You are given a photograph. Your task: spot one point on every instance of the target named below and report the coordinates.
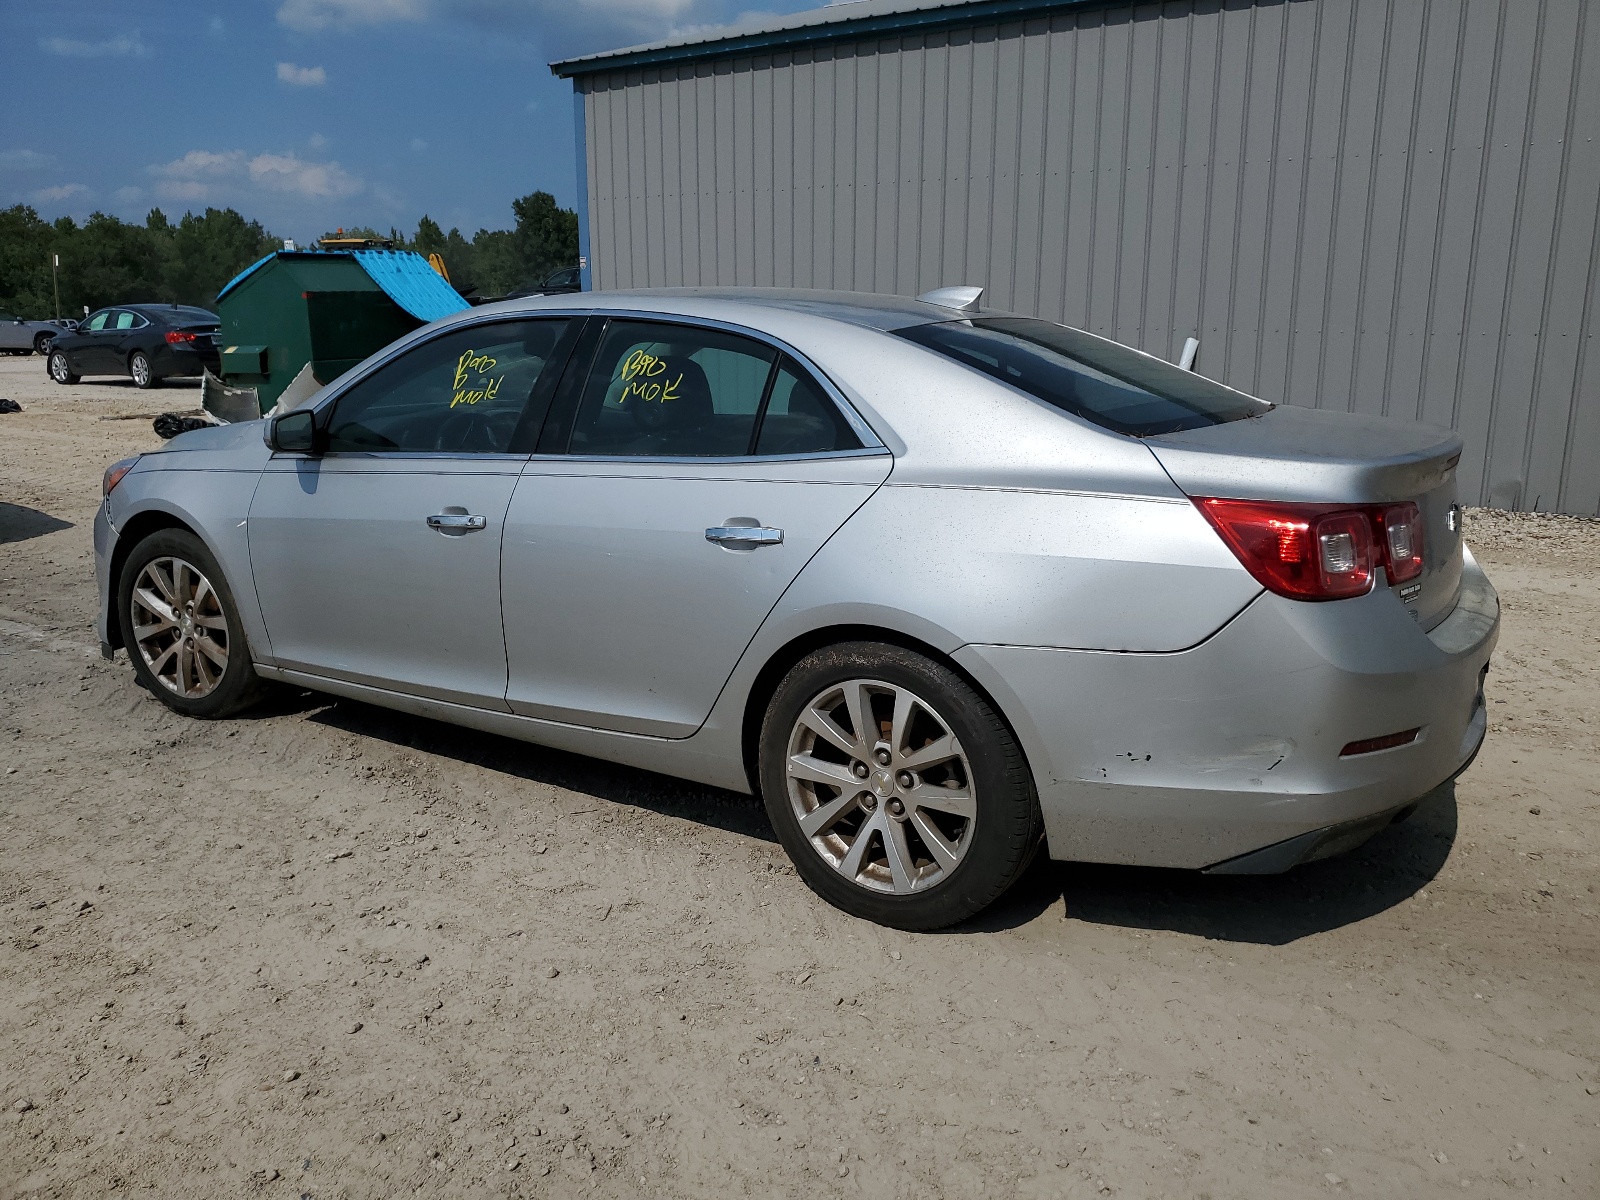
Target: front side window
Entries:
(1112, 385)
(97, 322)
(464, 392)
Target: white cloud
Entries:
(123, 46)
(215, 25)
(24, 160)
(418, 145)
(317, 141)
(288, 173)
(207, 174)
(302, 76)
(65, 191)
(129, 194)
(310, 16)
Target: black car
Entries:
(147, 342)
(563, 282)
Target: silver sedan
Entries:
(941, 585)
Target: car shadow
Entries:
(1270, 910)
(19, 524)
(730, 811)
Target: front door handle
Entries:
(451, 524)
(744, 537)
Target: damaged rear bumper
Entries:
(1227, 756)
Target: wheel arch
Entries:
(782, 660)
(138, 527)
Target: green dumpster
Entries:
(328, 308)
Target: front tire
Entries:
(898, 791)
(41, 343)
(182, 628)
(144, 376)
(61, 369)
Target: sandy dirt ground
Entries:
(329, 951)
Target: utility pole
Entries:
(55, 282)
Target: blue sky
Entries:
(307, 114)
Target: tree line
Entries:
(110, 261)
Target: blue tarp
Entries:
(411, 283)
(406, 277)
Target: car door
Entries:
(377, 561)
(123, 334)
(88, 352)
(682, 484)
(14, 333)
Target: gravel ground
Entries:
(330, 951)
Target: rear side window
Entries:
(671, 390)
(128, 320)
(1111, 385)
(801, 419)
(464, 392)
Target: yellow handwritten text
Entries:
(472, 363)
(641, 371)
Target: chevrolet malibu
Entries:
(942, 585)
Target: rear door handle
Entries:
(456, 523)
(744, 537)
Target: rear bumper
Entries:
(1200, 758)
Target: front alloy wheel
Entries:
(179, 628)
(60, 369)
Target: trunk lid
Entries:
(1308, 455)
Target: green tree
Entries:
(546, 236)
(205, 252)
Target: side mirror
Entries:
(293, 431)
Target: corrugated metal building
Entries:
(1387, 206)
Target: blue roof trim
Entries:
(411, 283)
(245, 274)
(726, 43)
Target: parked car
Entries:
(562, 283)
(19, 336)
(146, 342)
(940, 585)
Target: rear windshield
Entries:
(182, 314)
(1112, 385)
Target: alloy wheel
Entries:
(880, 786)
(179, 627)
(140, 369)
(59, 370)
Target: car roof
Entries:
(867, 309)
(154, 309)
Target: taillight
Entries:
(176, 336)
(114, 474)
(1402, 537)
(1319, 551)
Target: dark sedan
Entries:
(145, 342)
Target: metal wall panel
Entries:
(1384, 206)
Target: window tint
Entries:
(671, 390)
(1111, 385)
(98, 321)
(801, 419)
(128, 320)
(463, 392)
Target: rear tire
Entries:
(41, 343)
(60, 368)
(144, 376)
(182, 629)
(918, 819)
